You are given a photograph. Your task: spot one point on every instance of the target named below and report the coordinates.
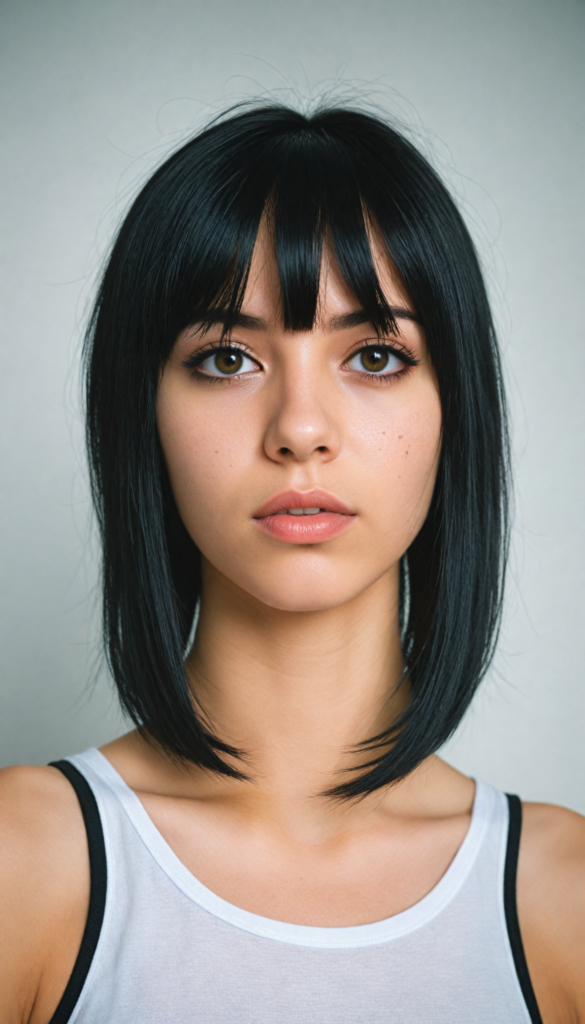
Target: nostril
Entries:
(321, 448)
(284, 451)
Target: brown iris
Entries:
(228, 362)
(374, 359)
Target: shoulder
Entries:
(39, 815)
(551, 906)
(552, 861)
(44, 888)
(22, 786)
(552, 857)
(553, 835)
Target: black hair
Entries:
(184, 248)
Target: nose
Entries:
(302, 425)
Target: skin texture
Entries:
(304, 420)
(44, 891)
(296, 658)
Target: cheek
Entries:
(400, 460)
(207, 462)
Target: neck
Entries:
(296, 691)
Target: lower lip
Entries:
(305, 529)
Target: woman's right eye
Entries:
(225, 362)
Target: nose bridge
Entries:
(303, 418)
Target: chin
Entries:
(304, 592)
(316, 603)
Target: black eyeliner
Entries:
(195, 360)
(403, 354)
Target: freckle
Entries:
(400, 436)
(217, 453)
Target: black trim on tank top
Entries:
(511, 909)
(97, 892)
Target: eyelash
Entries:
(403, 354)
(193, 362)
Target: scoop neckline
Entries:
(341, 937)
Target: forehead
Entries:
(263, 293)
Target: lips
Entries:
(304, 517)
(315, 499)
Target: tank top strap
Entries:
(98, 869)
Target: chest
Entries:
(365, 876)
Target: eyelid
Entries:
(401, 352)
(194, 360)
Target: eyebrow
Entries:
(359, 316)
(222, 318)
(344, 321)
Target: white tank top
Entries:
(161, 948)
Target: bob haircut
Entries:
(184, 249)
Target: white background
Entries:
(93, 95)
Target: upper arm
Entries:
(551, 909)
(44, 891)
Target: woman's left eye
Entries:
(226, 362)
(376, 359)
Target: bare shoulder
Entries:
(552, 859)
(551, 908)
(24, 790)
(44, 890)
(39, 816)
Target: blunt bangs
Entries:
(207, 229)
(336, 178)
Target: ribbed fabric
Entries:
(172, 952)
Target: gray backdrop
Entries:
(93, 95)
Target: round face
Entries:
(302, 463)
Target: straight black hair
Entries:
(185, 248)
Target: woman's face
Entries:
(326, 419)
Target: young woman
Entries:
(297, 442)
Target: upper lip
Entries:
(302, 499)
